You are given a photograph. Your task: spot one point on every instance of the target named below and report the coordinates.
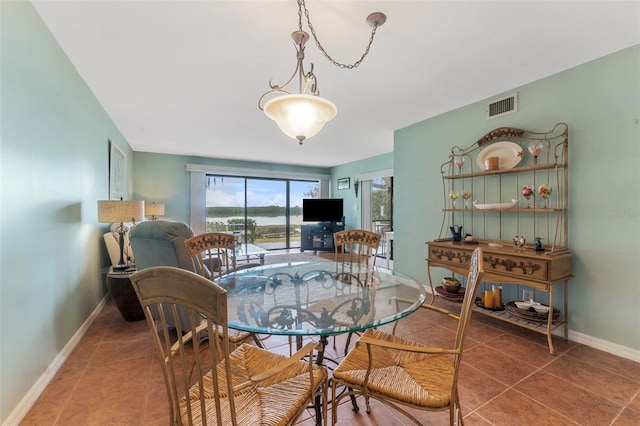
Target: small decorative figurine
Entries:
(519, 241)
(538, 246)
(456, 232)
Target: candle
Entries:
(488, 300)
(497, 297)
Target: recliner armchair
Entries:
(161, 243)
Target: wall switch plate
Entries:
(527, 294)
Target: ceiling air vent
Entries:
(503, 106)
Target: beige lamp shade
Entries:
(113, 211)
(153, 209)
(300, 116)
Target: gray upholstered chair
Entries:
(161, 243)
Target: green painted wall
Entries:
(352, 170)
(54, 167)
(164, 178)
(600, 101)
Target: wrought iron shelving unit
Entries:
(500, 213)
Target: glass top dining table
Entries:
(318, 298)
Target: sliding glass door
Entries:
(263, 212)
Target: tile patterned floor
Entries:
(507, 377)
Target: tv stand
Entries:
(319, 236)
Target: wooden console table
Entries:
(506, 265)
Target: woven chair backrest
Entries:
(187, 357)
(356, 246)
(212, 254)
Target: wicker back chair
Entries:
(399, 372)
(212, 255)
(356, 246)
(248, 386)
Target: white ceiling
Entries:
(184, 77)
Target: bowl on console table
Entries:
(451, 284)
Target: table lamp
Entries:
(153, 210)
(114, 211)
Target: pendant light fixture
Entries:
(302, 115)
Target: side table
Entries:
(123, 294)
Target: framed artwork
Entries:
(117, 172)
(344, 183)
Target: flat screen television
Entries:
(322, 209)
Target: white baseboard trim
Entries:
(39, 386)
(596, 343)
(604, 345)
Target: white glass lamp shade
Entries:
(118, 211)
(300, 116)
(154, 209)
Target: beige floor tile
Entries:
(474, 419)
(521, 348)
(569, 399)
(507, 377)
(613, 386)
(482, 332)
(635, 403)
(437, 337)
(607, 361)
(497, 364)
(628, 418)
(476, 388)
(513, 408)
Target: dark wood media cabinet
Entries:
(319, 236)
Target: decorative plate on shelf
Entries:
(456, 297)
(510, 154)
(530, 314)
(495, 205)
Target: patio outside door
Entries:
(377, 207)
(264, 212)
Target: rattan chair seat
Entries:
(423, 380)
(273, 401)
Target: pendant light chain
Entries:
(302, 115)
(301, 5)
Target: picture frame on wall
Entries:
(344, 183)
(117, 172)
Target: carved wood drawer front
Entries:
(515, 266)
(450, 255)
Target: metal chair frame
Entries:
(207, 384)
(433, 372)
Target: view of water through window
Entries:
(263, 212)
